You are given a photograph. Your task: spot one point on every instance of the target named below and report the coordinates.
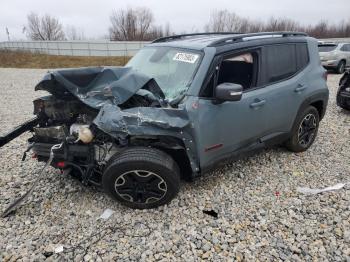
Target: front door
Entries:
(222, 128)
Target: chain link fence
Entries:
(76, 48)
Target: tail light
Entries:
(61, 164)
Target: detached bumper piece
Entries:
(19, 130)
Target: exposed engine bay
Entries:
(68, 120)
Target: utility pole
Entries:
(8, 34)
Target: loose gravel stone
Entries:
(260, 214)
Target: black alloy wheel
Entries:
(140, 186)
(142, 177)
(304, 130)
(307, 130)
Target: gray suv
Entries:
(335, 56)
(181, 106)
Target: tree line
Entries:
(138, 24)
(225, 21)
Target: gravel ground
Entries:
(261, 216)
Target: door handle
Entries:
(300, 88)
(258, 103)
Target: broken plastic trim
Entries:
(18, 201)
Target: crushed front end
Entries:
(96, 113)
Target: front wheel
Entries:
(304, 131)
(142, 177)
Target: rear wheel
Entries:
(142, 177)
(304, 131)
(341, 67)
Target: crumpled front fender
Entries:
(149, 121)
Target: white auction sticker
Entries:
(186, 57)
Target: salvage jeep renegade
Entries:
(182, 105)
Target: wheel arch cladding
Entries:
(182, 160)
(172, 146)
(318, 100)
(319, 105)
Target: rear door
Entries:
(281, 75)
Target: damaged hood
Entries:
(96, 86)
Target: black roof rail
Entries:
(174, 37)
(241, 36)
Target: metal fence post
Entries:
(71, 47)
(58, 48)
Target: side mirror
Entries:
(228, 92)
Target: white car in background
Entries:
(335, 56)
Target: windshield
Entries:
(326, 48)
(172, 68)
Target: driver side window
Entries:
(238, 69)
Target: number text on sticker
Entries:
(186, 57)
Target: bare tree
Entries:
(143, 21)
(44, 28)
(281, 24)
(218, 21)
(167, 30)
(131, 24)
(73, 33)
(225, 21)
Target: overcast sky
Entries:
(183, 15)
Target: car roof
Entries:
(199, 41)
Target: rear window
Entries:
(326, 48)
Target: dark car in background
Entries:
(343, 94)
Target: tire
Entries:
(341, 67)
(307, 121)
(141, 178)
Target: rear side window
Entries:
(280, 61)
(345, 48)
(284, 60)
(326, 48)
